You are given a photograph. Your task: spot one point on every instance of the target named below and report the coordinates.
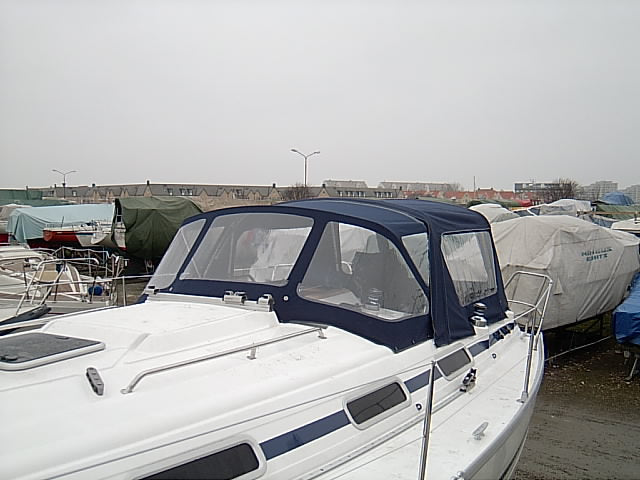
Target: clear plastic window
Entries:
(175, 255)
(358, 269)
(469, 258)
(418, 247)
(250, 247)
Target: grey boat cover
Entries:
(591, 266)
(494, 212)
(565, 206)
(631, 225)
(28, 223)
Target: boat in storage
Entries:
(591, 266)
(28, 225)
(315, 339)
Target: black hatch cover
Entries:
(28, 350)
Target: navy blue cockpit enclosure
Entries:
(396, 272)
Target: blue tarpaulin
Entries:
(617, 198)
(28, 223)
(626, 318)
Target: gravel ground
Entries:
(586, 423)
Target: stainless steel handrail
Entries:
(36, 283)
(539, 308)
(426, 426)
(252, 348)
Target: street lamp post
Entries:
(64, 180)
(305, 162)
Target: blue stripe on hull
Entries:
(305, 434)
(293, 439)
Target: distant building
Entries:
(498, 195)
(537, 192)
(534, 187)
(346, 184)
(420, 186)
(634, 192)
(596, 190)
(460, 197)
(212, 197)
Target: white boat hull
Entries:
(164, 406)
(453, 452)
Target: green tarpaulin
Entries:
(28, 197)
(11, 195)
(617, 212)
(151, 223)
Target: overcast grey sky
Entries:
(206, 91)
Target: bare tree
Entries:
(298, 191)
(560, 188)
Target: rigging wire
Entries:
(578, 348)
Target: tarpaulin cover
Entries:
(5, 210)
(617, 198)
(631, 225)
(626, 318)
(31, 198)
(590, 266)
(11, 196)
(493, 212)
(618, 212)
(28, 223)
(565, 206)
(151, 223)
(598, 220)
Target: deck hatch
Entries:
(21, 352)
(375, 403)
(227, 464)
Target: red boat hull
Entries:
(57, 236)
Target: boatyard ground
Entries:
(586, 424)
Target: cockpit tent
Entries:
(590, 266)
(453, 284)
(28, 223)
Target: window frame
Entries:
(455, 348)
(371, 389)
(229, 243)
(202, 225)
(404, 238)
(493, 263)
(193, 455)
(403, 258)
